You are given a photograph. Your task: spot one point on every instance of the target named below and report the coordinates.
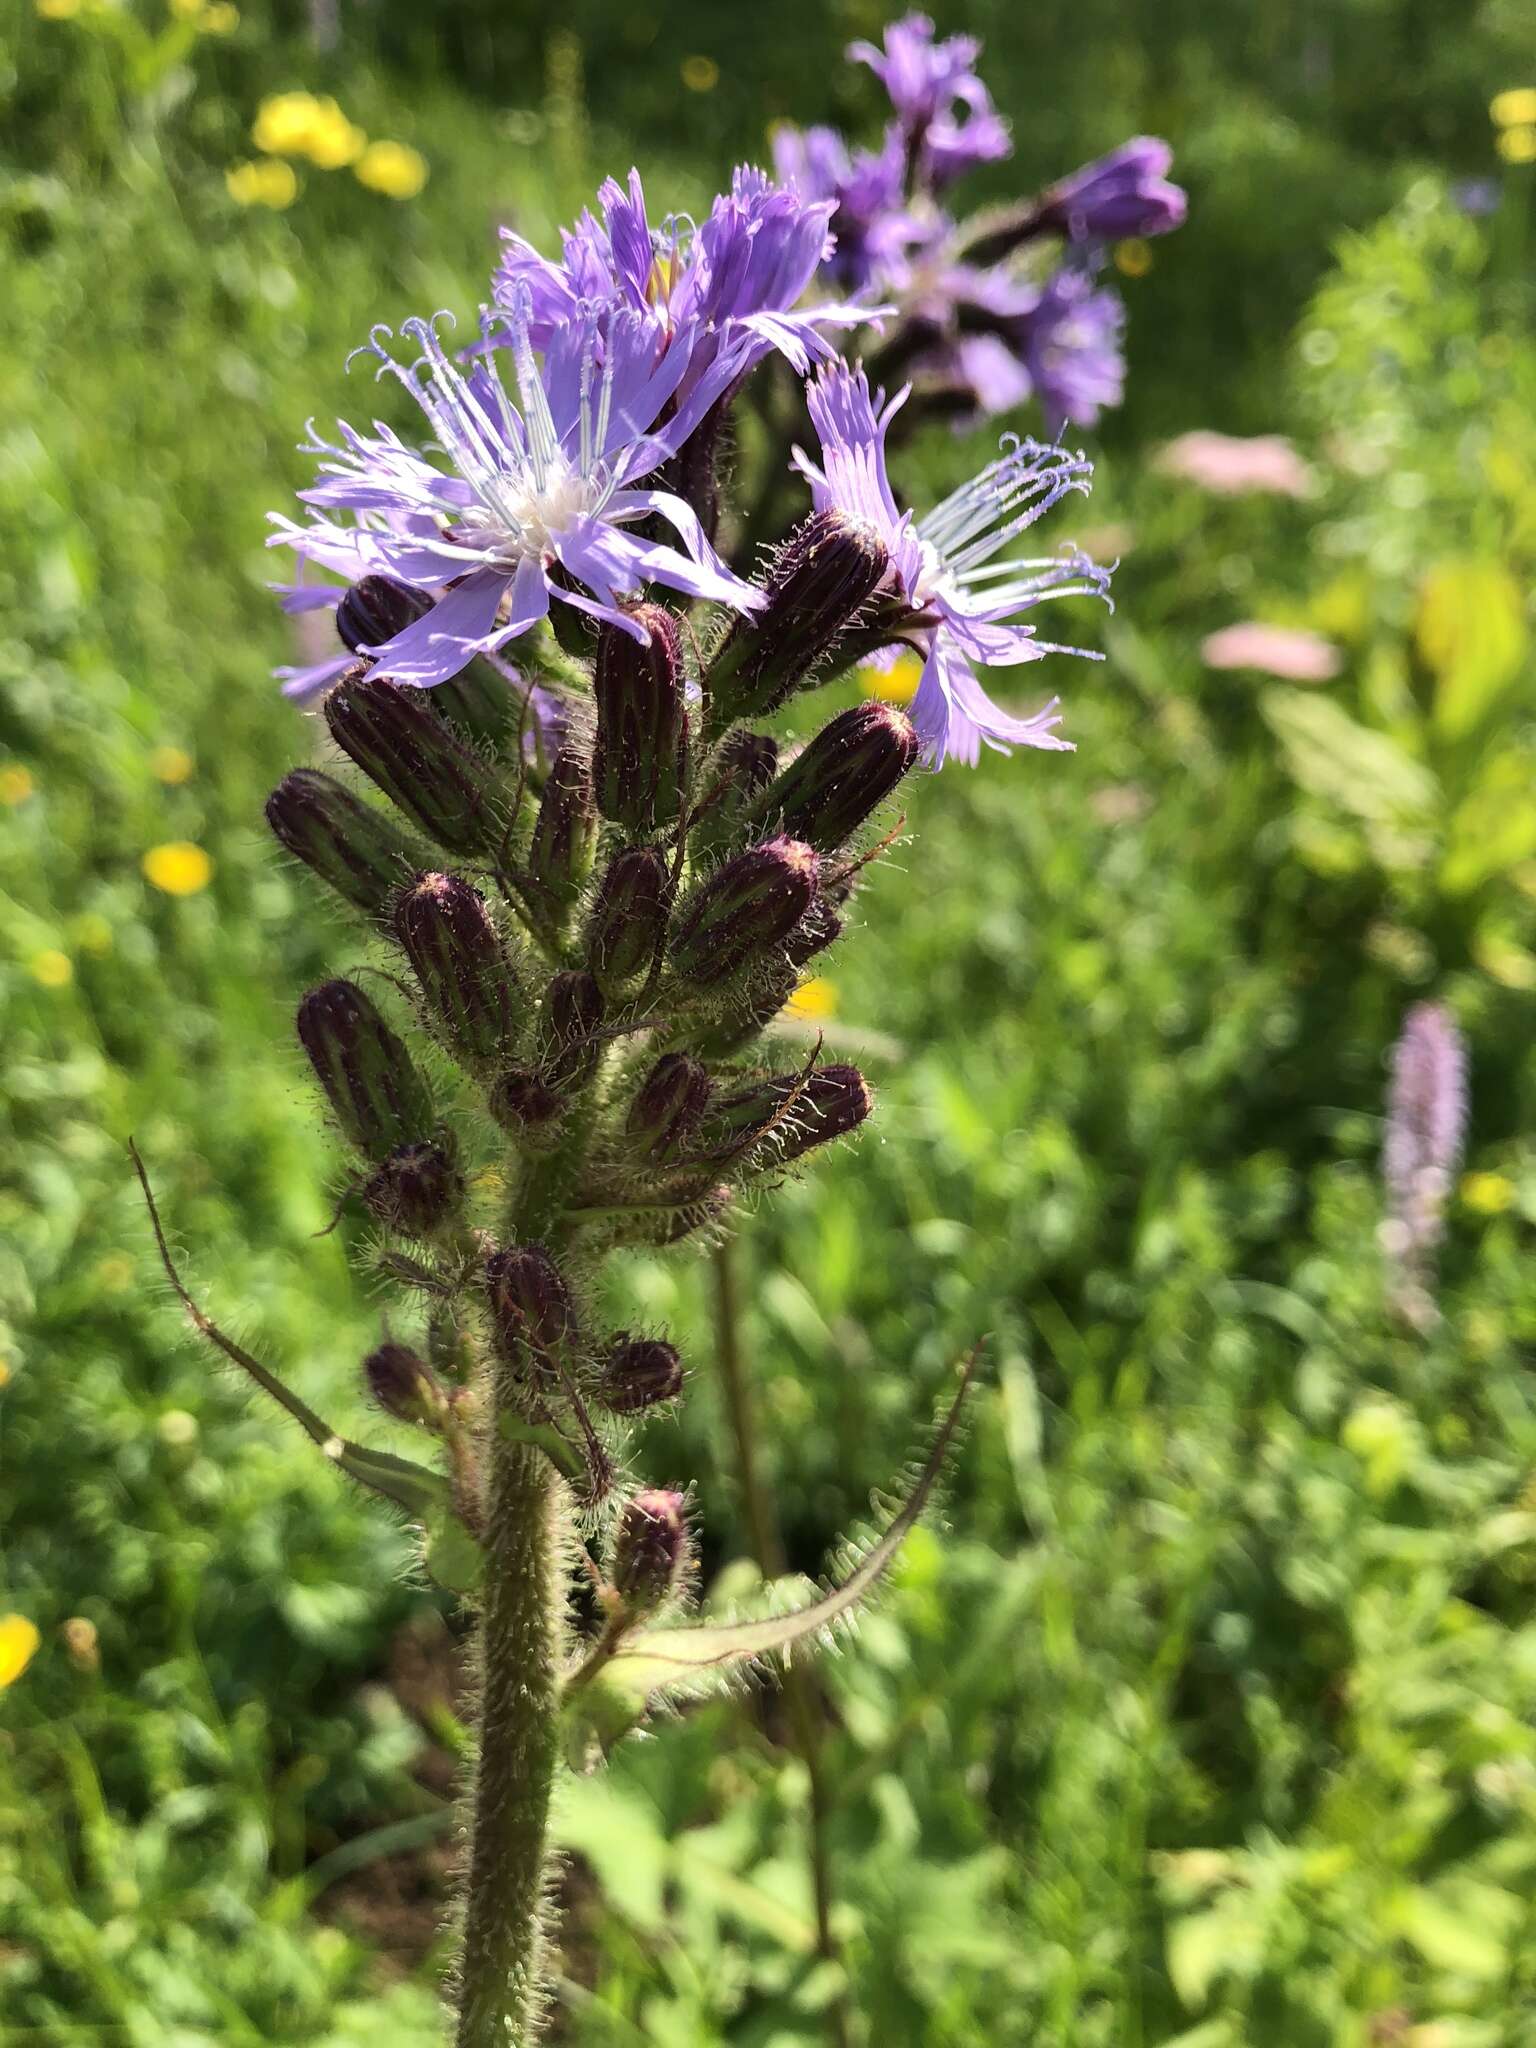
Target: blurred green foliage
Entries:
(1207, 1720)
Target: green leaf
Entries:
(454, 1560)
(1471, 631)
(1347, 764)
(561, 1453)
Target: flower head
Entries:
(873, 229)
(538, 497)
(1125, 193)
(945, 113)
(948, 593)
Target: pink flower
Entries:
(1230, 464)
(1288, 651)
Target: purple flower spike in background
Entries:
(1426, 1124)
(947, 118)
(949, 596)
(1122, 194)
(547, 484)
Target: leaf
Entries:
(561, 1453)
(681, 1662)
(454, 1560)
(1471, 631)
(1346, 764)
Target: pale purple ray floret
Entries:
(949, 594)
(945, 112)
(539, 496)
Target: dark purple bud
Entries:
(742, 767)
(405, 1386)
(819, 928)
(524, 1103)
(359, 852)
(745, 910)
(668, 1107)
(450, 939)
(1124, 193)
(531, 1313)
(640, 1372)
(573, 1017)
(564, 834)
(650, 1549)
(797, 1112)
(845, 774)
(399, 740)
(628, 917)
(418, 1190)
(640, 757)
(379, 1099)
(375, 609)
(825, 574)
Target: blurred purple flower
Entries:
(1426, 1123)
(946, 594)
(1476, 196)
(872, 228)
(1058, 342)
(1124, 193)
(1288, 651)
(947, 119)
(547, 485)
(1232, 463)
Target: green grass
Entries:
(1206, 1715)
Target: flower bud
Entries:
(819, 928)
(573, 1016)
(667, 1107)
(564, 834)
(640, 756)
(375, 609)
(398, 740)
(404, 1385)
(846, 772)
(650, 1549)
(640, 1372)
(826, 572)
(524, 1103)
(629, 917)
(744, 910)
(359, 852)
(802, 1110)
(379, 1099)
(742, 768)
(418, 1190)
(532, 1317)
(449, 937)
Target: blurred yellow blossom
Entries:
(1489, 1194)
(815, 1000)
(262, 184)
(700, 74)
(58, 10)
(82, 1644)
(5, 1374)
(393, 168)
(52, 968)
(178, 867)
(170, 764)
(1133, 258)
(1515, 108)
(16, 784)
(299, 124)
(896, 684)
(1517, 145)
(18, 1646)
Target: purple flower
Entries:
(1070, 345)
(1124, 193)
(948, 595)
(1426, 1123)
(872, 228)
(946, 114)
(546, 485)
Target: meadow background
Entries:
(1207, 1716)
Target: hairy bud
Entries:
(531, 1313)
(826, 572)
(639, 1373)
(379, 1099)
(650, 1549)
(418, 1189)
(359, 852)
(449, 937)
(640, 757)
(564, 834)
(819, 928)
(744, 910)
(799, 1111)
(525, 1104)
(405, 1386)
(573, 1016)
(628, 918)
(375, 609)
(668, 1107)
(847, 772)
(400, 742)
(743, 766)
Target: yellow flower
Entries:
(18, 1646)
(700, 74)
(178, 867)
(284, 122)
(334, 141)
(5, 1374)
(1515, 108)
(1517, 145)
(1488, 1194)
(58, 10)
(814, 1000)
(171, 764)
(393, 168)
(255, 184)
(16, 785)
(896, 684)
(52, 968)
(1133, 258)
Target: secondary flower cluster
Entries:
(1004, 307)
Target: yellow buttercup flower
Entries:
(1488, 1194)
(814, 1000)
(52, 968)
(178, 867)
(170, 764)
(262, 184)
(1517, 145)
(1515, 108)
(393, 168)
(334, 141)
(16, 785)
(18, 1646)
(299, 124)
(896, 684)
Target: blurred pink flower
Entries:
(1230, 463)
(1288, 651)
